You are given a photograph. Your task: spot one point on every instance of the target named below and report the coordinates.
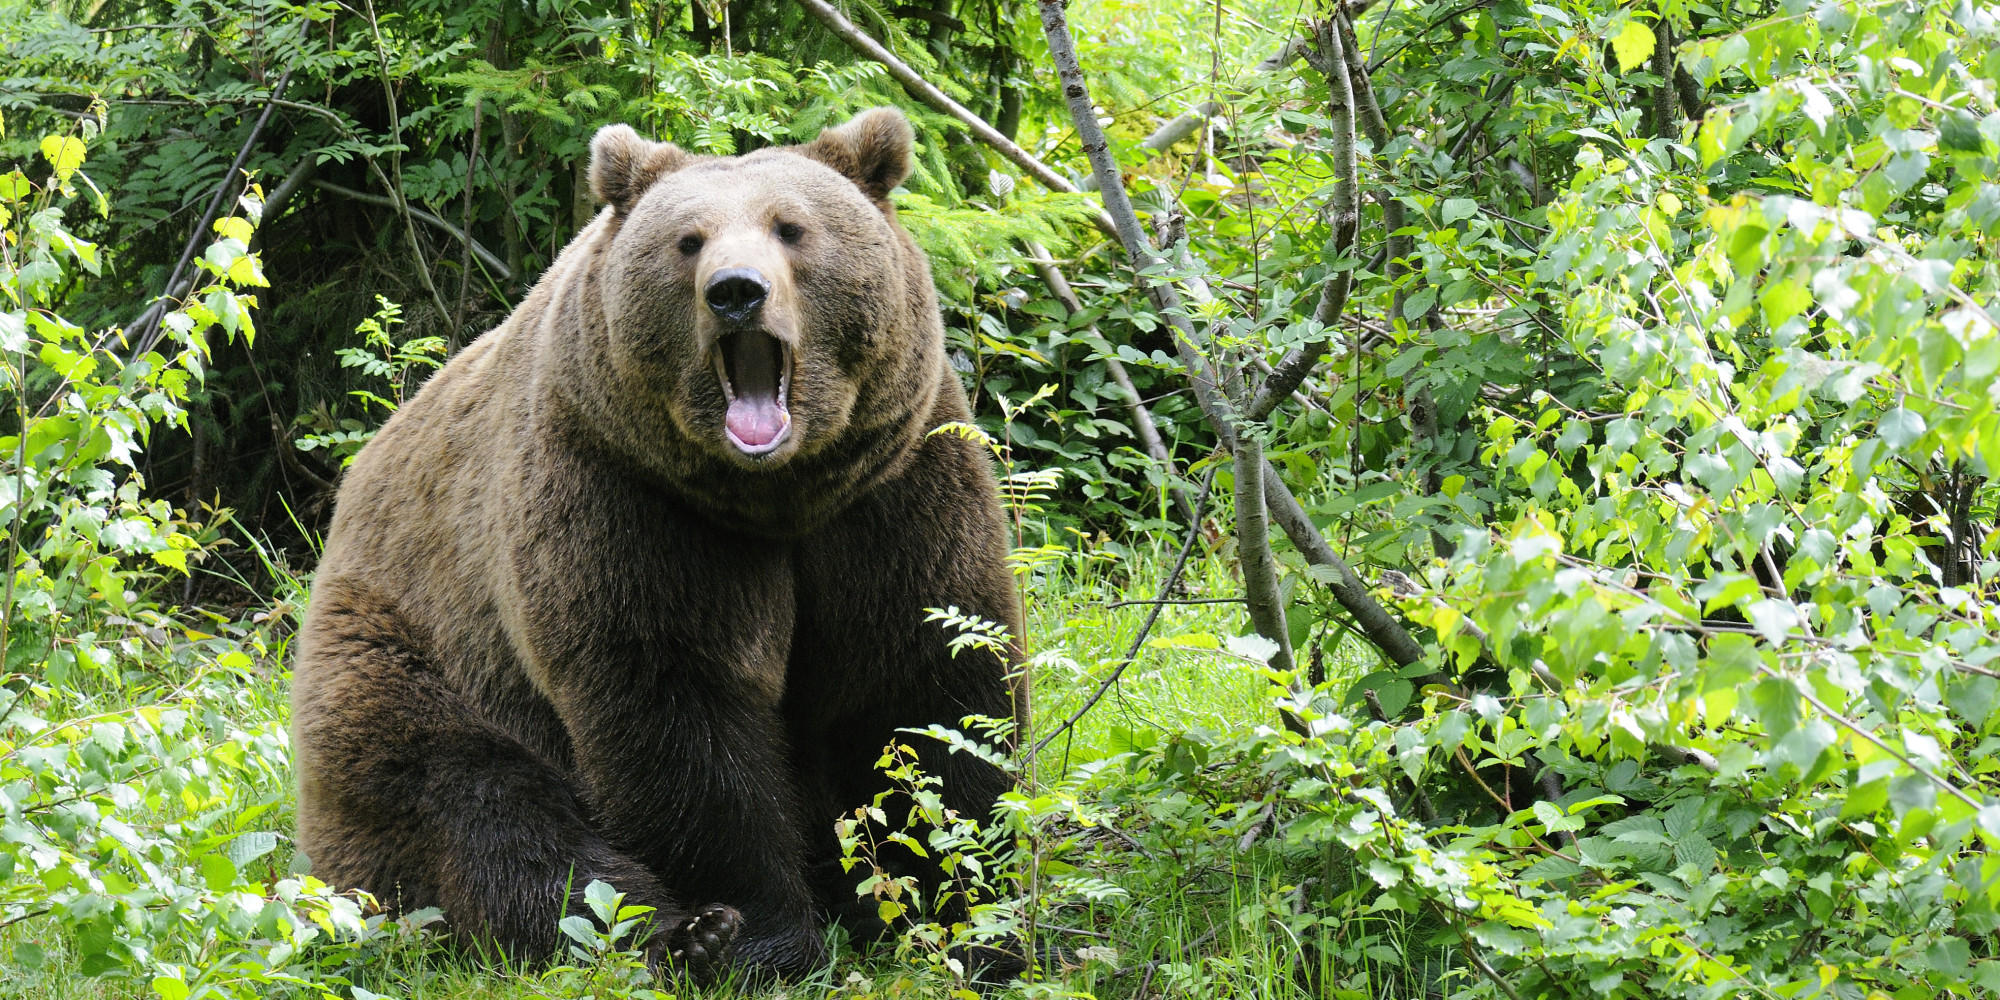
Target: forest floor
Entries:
(1074, 636)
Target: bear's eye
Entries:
(790, 233)
(690, 245)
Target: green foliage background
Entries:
(1663, 420)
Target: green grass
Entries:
(1076, 638)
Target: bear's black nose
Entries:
(736, 293)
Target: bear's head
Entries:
(768, 306)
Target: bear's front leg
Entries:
(409, 791)
(696, 786)
(872, 663)
(661, 642)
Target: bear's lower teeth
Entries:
(754, 382)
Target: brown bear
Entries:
(634, 589)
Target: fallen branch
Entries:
(485, 256)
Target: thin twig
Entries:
(1191, 600)
(1139, 641)
(395, 182)
(147, 326)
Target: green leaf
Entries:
(218, 873)
(1900, 427)
(579, 928)
(1866, 799)
(1960, 133)
(1554, 820)
(249, 847)
(1633, 45)
(1420, 303)
(64, 153)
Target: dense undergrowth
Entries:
(1657, 414)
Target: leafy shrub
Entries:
(145, 772)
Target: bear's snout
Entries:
(736, 294)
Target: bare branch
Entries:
(1346, 212)
(1374, 621)
(938, 99)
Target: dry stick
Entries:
(473, 246)
(1132, 653)
(395, 183)
(1346, 209)
(924, 91)
(147, 326)
(1373, 620)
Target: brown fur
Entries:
(564, 631)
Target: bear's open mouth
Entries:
(755, 368)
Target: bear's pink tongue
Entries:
(753, 362)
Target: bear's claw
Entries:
(700, 944)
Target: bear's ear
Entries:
(624, 164)
(872, 150)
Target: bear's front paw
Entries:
(700, 945)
